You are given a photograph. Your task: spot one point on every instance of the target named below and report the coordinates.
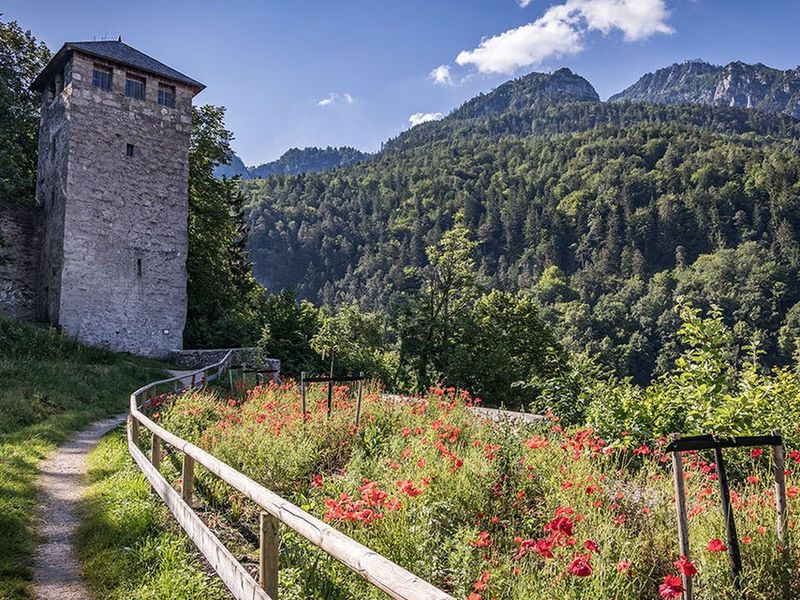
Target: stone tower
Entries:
(113, 188)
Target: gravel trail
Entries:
(61, 482)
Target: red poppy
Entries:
(623, 566)
(580, 566)
(671, 588)
(716, 545)
(482, 583)
(407, 487)
(543, 548)
(591, 546)
(686, 566)
(757, 452)
(483, 540)
(560, 525)
(317, 481)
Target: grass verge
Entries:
(50, 387)
(129, 545)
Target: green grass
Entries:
(128, 543)
(50, 387)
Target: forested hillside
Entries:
(604, 213)
(293, 162)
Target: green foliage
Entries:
(289, 328)
(503, 342)
(709, 390)
(22, 57)
(361, 342)
(605, 212)
(433, 316)
(223, 297)
(129, 544)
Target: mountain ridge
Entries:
(295, 161)
(737, 84)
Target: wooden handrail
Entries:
(382, 573)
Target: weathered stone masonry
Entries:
(113, 193)
(20, 239)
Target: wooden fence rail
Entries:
(382, 573)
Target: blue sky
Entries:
(352, 72)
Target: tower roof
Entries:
(115, 51)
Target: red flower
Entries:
(562, 525)
(716, 545)
(543, 548)
(591, 546)
(482, 583)
(483, 540)
(623, 566)
(671, 588)
(752, 479)
(317, 481)
(580, 566)
(686, 566)
(407, 487)
(757, 452)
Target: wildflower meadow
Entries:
(485, 509)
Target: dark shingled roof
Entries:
(114, 51)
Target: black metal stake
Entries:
(734, 555)
(330, 384)
(303, 393)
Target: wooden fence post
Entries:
(680, 509)
(230, 380)
(358, 400)
(780, 508)
(187, 484)
(155, 451)
(134, 430)
(269, 540)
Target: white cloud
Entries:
(334, 98)
(637, 19)
(418, 118)
(441, 75)
(524, 3)
(560, 32)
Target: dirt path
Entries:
(61, 483)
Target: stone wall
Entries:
(19, 260)
(114, 265)
(197, 359)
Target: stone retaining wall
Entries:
(197, 359)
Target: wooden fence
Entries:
(382, 573)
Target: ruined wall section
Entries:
(19, 260)
(125, 240)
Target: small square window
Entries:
(166, 95)
(130, 149)
(101, 77)
(134, 87)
